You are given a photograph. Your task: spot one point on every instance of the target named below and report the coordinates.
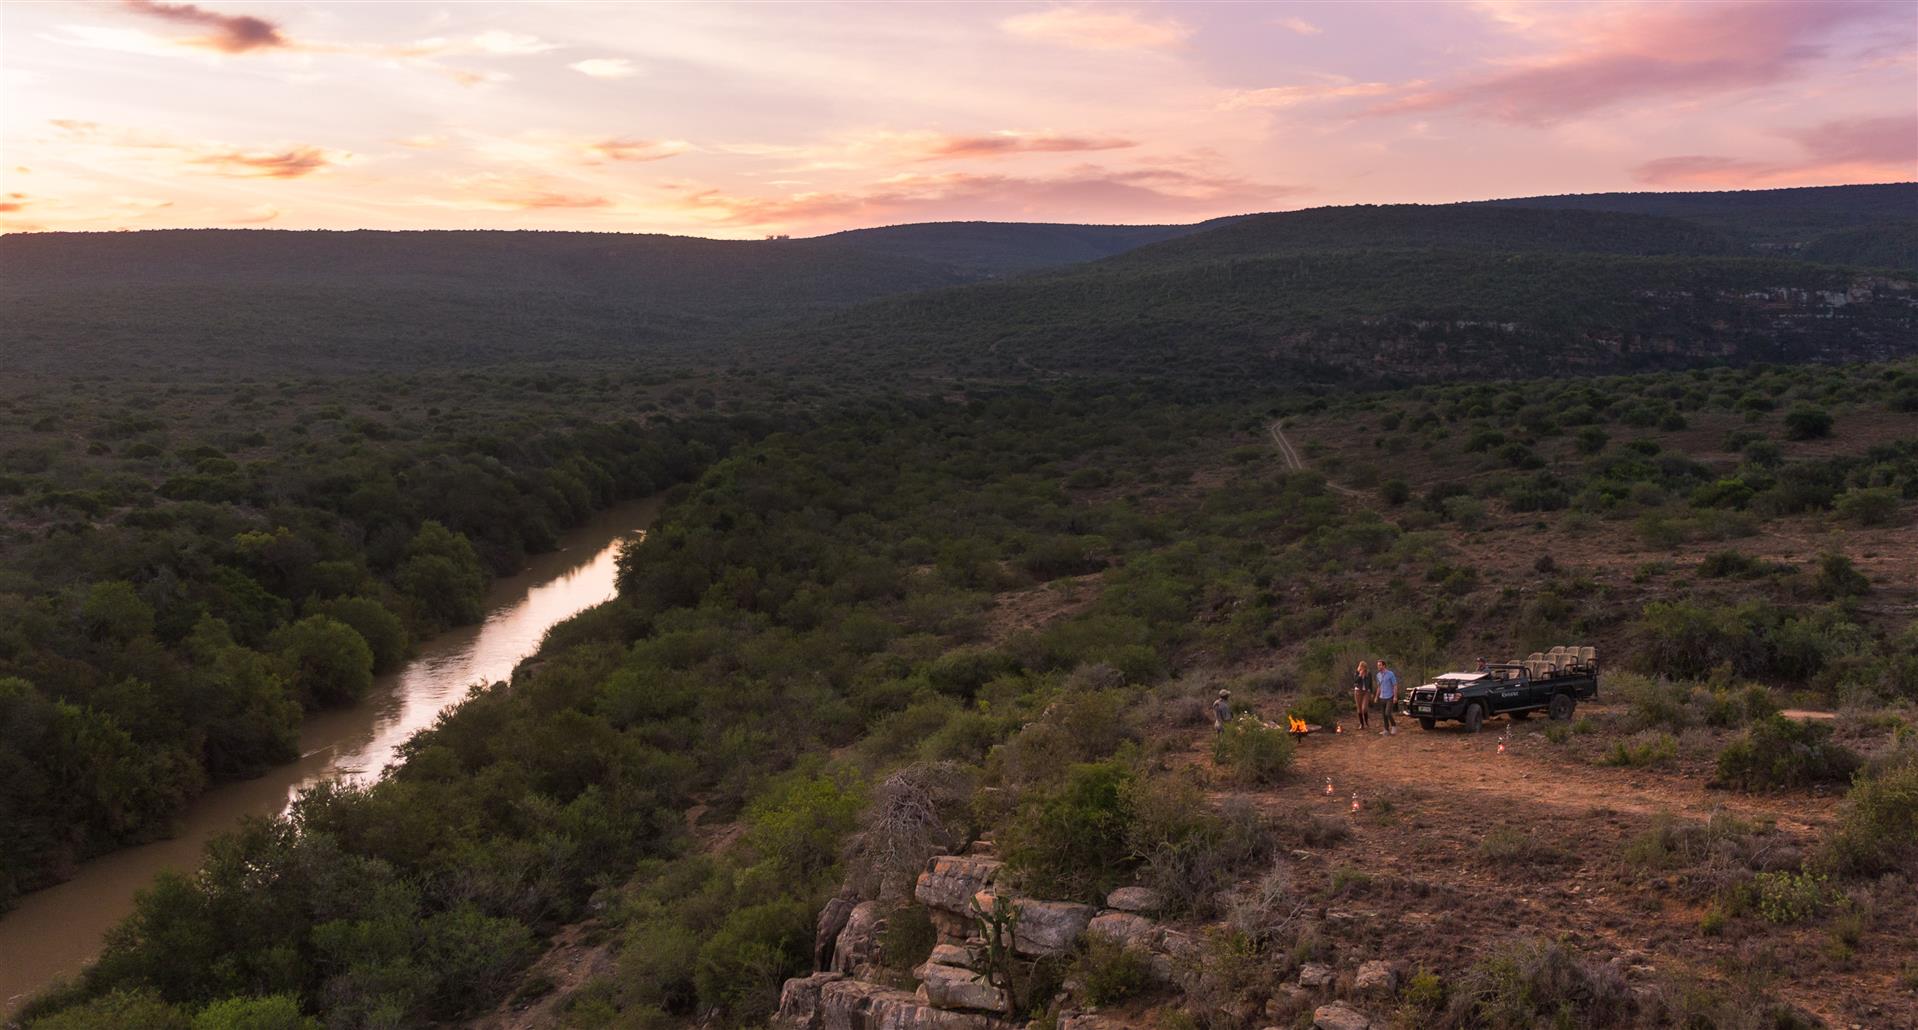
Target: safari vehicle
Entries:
(1555, 681)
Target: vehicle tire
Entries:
(1562, 707)
(1520, 715)
(1428, 724)
(1474, 717)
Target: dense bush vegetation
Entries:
(172, 605)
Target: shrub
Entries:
(1534, 983)
(1807, 423)
(274, 1012)
(1878, 832)
(1072, 840)
(1317, 709)
(1395, 492)
(1783, 753)
(1506, 844)
(1252, 753)
(1192, 854)
(1868, 506)
(1786, 897)
(1108, 971)
(1646, 749)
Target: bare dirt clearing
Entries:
(1456, 847)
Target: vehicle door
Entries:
(1507, 694)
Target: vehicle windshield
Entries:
(1461, 677)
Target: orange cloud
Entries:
(13, 202)
(1848, 150)
(1001, 143)
(289, 162)
(625, 149)
(292, 163)
(232, 33)
(1625, 54)
(1097, 28)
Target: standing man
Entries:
(1388, 682)
(1221, 711)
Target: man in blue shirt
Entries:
(1388, 684)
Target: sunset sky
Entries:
(747, 119)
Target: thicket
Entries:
(176, 596)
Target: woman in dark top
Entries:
(1362, 694)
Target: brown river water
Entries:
(55, 932)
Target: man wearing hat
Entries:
(1221, 711)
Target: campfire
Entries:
(1298, 726)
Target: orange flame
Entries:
(1298, 724)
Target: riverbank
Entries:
(54, 932)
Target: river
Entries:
(55, 932)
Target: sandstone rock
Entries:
(1339, 1016)
(857, 949)
(1315, 975)
(950, 987)
(799, 1001)
(1142, 900)
(832, 919)
(1045, 927)
(1126, 928)
(857, 1005)
(951, 955)
(950, 881)
(1378, 977)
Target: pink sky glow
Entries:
(741, 120)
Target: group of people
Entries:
(1369, 682)
(1376, 681)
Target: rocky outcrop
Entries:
(952, 955)
(1133, 931)
(1315, 976)
(1377, 977)
(1340, 1016)
(828, 1001)
(947, 888)
(832, 919)
(857, 949)
(950, 881)
(1045, 927)
(950, 987)
(1139, 900)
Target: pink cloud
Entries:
(232, 33)
(1004, 143)
(1640, 53)
(1084, 192)
(1293, 96)
(1097, 28)
(292, 163)
(1848, 150)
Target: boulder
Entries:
(950, 987)
(799, 1001)
(1126, 928)
(1340, 1016)
(1377, 977)
(1141, 900)
(857, 1005)
(950, 881)
(1315, 976)
(857, 949)
(832, 919)
(952, 955)
(1045, 927)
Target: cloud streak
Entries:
(1097, 28)
(1846, 150)
(1084, 192)
(278, 162)
(1620, 55)
(230, 33)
